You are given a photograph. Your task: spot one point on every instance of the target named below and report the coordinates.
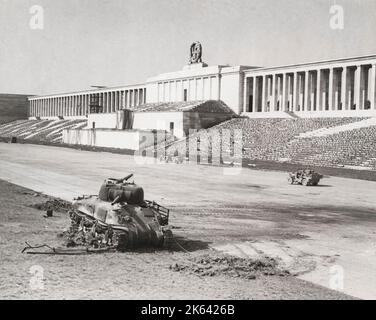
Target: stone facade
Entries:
(336, 88)
(344, 87)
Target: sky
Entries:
(86, 43)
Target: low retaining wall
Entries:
(107, 138)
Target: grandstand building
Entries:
(335, 88)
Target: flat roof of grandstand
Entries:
(206, 106)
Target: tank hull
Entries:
(124, 226)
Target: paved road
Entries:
(329, 231)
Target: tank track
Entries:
(88, 231)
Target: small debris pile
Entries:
(210, 265)
(57, 205)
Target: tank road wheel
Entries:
(121, 241)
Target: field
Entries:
(12, 107)
(251, 214)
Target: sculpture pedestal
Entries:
(192, 66)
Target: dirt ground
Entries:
(325, 235)
(133, 275)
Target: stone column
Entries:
(79, 105)
(330, 94)
(295, 92)
(284, 92)
(254, 107)
(84, 104)
(88, 104)
(263, 100)
(344, 88)
(128, 99)
(357, 96)
(104, 102)
(74, 111)
(306, 90)
(372, 86)
(273, 90)
(318, 91)
(245, 94)
(123, 99)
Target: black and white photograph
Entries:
(192, 150)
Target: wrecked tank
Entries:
(118, 217)
(305, 177)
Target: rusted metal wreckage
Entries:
(118, 218)
(305, 177)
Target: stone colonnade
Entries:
(310, 88)
(80, 104)
(191, 89)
